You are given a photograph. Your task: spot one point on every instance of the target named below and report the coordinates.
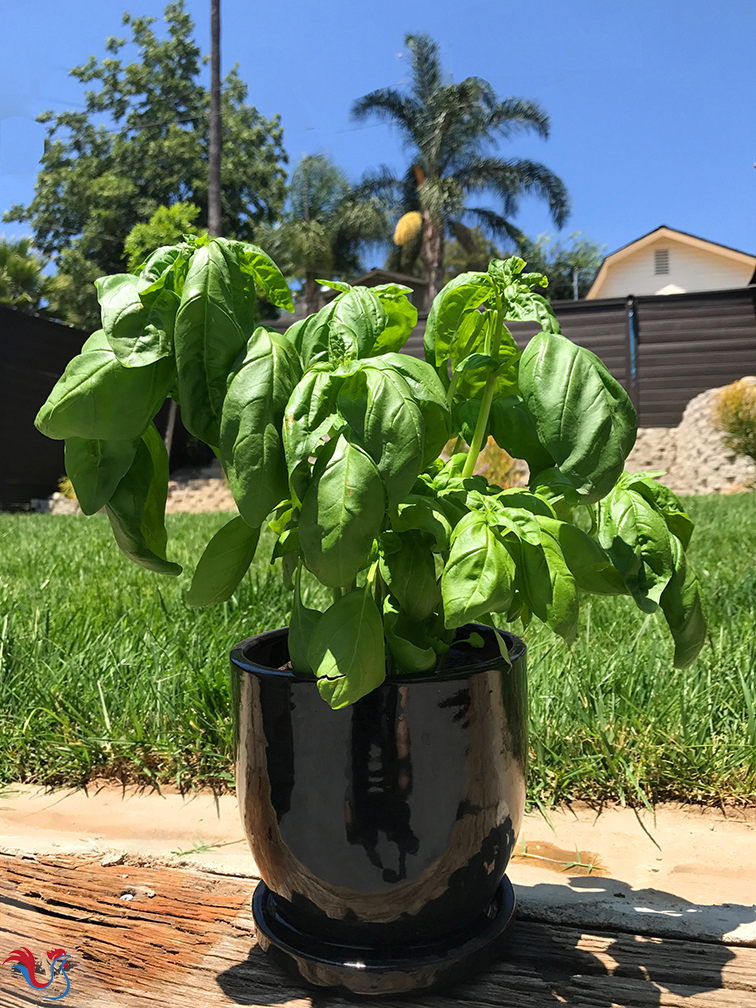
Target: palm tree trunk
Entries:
(311, 294)
(433, 251)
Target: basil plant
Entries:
(332, 436)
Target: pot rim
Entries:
(515, 645)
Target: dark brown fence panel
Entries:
(688, 343)
(34, 355)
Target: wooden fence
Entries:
(35, 352)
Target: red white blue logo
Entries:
(24, 963)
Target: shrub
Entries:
(734, 413)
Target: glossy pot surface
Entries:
(392, 820)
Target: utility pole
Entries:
(215, 141)
(575, 275)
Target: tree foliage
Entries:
(559, 261)
(23, 284)
(447, 128)
(470, 253)
(327, 223)
(140, 144)
(166, 226)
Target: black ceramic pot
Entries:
(382, 831)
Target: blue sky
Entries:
(651, 101)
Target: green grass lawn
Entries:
(103, 666)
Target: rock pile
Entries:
(692, 454)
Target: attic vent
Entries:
(661, 261)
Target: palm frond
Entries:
(516, 114)
(510, 179)
(391, 106)
(496, 225)
(426, 66)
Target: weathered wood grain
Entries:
(191, 945)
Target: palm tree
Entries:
(447, 128)
(22, 283)
(326, 225)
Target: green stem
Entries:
(452, 389)
(480, 428)
(493, 341)
(336, 592)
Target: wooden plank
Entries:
(192, 944)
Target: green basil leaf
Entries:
(385, 420)
(561, 602)
(342, 513)
(513, 428)
(357, 321)
(337, 285)
(96, 468)
(505, 515)
(554, 487)
(681, 604)
(584, 418)
(401, 317)
(528, 306)
(347, 649)
(408, 641)
(214, 321)
(261, 269)
(301, 629)
(426, 516)
(589, 564)
(251, 446)
(428, 393)
(461, 295)
(137, 508)
(223, 564)
(526, 501)
(638, 542)
(410, 574)
(288, 542)
(471, 335)
(310, 413)
(665, 502)
(166, 267)
(479, 362)
(310, 337)
(139, 327)
(97, 398)
(479, 575)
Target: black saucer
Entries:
(371, 971)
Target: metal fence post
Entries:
(633, 372)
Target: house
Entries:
(666, 261)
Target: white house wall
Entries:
(690, 269)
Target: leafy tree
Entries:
(166, 227)
(447, 128)
(470, 253)
(327, 224)
(23, 284)
(560, 262)
(98, 180)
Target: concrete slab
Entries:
(684, 872)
